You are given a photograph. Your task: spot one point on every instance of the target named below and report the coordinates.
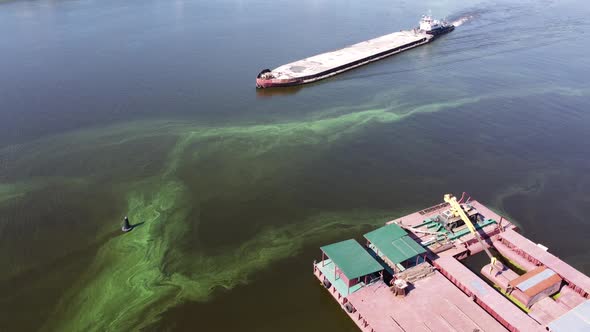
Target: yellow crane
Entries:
(458, 211)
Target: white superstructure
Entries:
(427, 23)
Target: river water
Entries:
(148, 109)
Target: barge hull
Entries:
(328, 64)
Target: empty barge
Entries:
(409, 276)
(332, 63)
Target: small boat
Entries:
(435, 27)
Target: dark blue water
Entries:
(148, 109)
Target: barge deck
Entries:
(434, 303)
(439, 293)
(328, 64)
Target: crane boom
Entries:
(458, 211)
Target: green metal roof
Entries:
(386, 233)
(394, 243)
(352, 259)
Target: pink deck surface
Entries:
(486, 294)
(547, 310)
(570, 298)
(560, 267)
(435, 304)
(417, 218)
(500, 278)
(513, 256)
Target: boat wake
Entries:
(461, 20)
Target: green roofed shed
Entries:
(351, 258)
(394, 243)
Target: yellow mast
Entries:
(458, 211)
